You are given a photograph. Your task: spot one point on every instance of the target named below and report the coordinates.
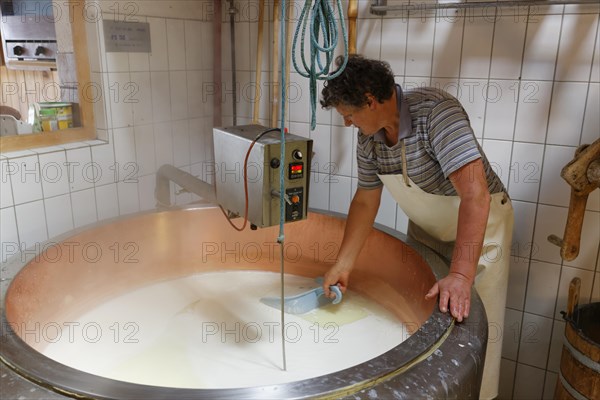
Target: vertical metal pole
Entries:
(217, 63)
(288, 56)
(259, 60)
(233, 73)
(282, 316)
(275, 77)
(282, 54)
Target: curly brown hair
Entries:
(361, 76)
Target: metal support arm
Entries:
(188, 182)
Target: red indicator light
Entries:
(296, 170)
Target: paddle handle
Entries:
(338, 293)
(334, 288)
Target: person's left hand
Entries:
(455, 294)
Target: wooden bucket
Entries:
(579, 376)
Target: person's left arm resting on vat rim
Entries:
(455, 289)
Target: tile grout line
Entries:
(589, 81)
(527, 275)
(489, 74)
(560, 36)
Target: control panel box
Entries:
(264, 164)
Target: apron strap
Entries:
(404, 163)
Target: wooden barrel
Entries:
(579, 376)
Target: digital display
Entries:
(296, 170)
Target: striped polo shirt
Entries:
(439, 140)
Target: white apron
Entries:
(437, 217)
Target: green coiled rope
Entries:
(323, 30)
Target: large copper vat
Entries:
(69, 275)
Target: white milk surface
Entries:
(210, 330)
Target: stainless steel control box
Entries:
(231, 145)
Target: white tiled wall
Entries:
(150, 108)
(531, 85)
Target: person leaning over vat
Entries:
(419, 144)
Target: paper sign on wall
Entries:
(127, 37)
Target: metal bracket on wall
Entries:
(380, 7)
(378, 3)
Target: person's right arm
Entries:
(359, 223)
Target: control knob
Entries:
(18, 50)
(40, 50)
(297, 154)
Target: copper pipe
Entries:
(352, 15)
